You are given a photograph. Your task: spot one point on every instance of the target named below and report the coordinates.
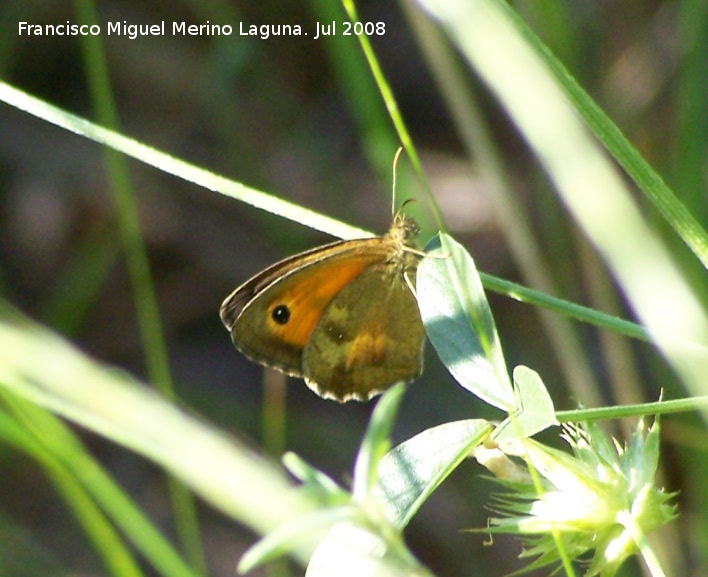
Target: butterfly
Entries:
(342, 316)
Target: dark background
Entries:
(275, 114)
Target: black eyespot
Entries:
(280, 314)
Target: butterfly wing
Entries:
(233, 305)
(369, 337)
(272, 316)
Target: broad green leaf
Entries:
(414, 469)
(351, 550)
(536, 411)
(459, 322)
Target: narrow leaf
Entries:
(459, 322)
(376, 441)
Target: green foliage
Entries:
(359, 531)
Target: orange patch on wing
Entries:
(368, 348)
(315, 288)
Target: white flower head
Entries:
(601, 498)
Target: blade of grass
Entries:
(496, 44)
(649, 181)
(177, 167)
(149, 322)
(393, 110)
(114, 553)
(80, 477)
(359, 90)
(640, 410)
(480, 147)
(288, 210)
(692, 116)
(221, 470)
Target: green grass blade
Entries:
(230, 477)
(497, 46)
(82, 478)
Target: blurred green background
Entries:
(299, 118)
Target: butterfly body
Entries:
(342, 316)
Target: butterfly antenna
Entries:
(395, 166)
